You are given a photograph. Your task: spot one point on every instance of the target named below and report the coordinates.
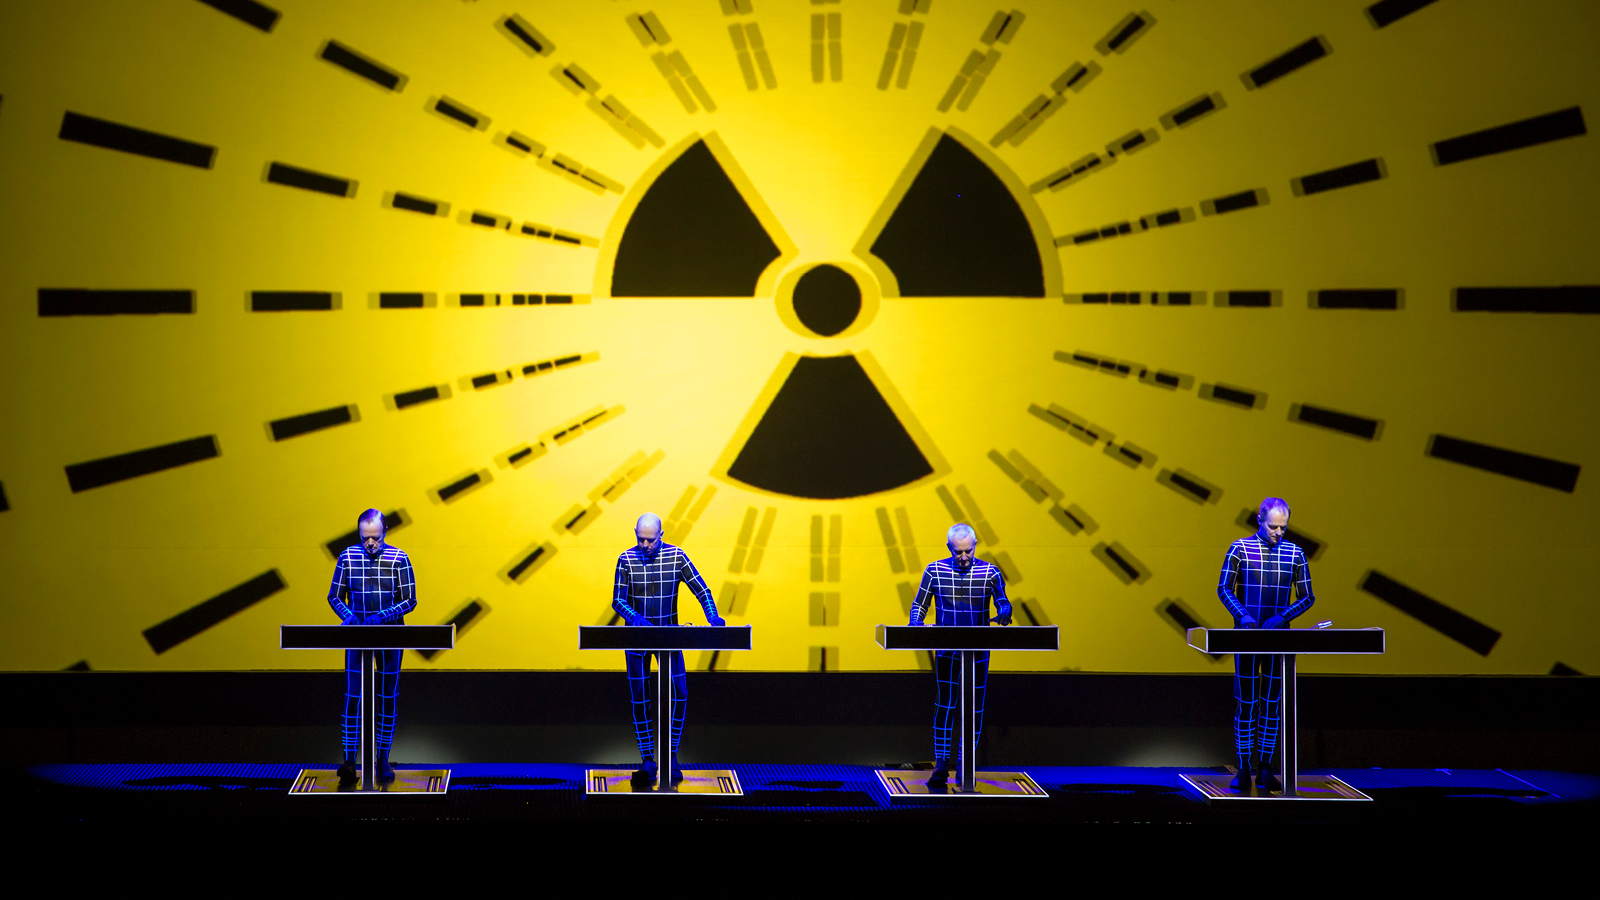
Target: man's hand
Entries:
(352, 619)
(716, 620)
(1248, 621)
(1003, 615)
(1276, 622)
(915, 622)
(638, 621)
(373, 619)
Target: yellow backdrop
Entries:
(1018, 404)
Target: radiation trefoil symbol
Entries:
(832, 426)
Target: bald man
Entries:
(373, 584)
(1265, 583)
(646, 593)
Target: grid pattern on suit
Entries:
(1257, 687)
(644, 729)
(947, 703)
(382, 585)
(647, 587)
(388, 683)
(1261, 580)
(958, 597)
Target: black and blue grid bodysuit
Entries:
(648, 587)
(1261, 580)
(958, 597)
(383, 583)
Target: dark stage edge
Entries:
(554, 793)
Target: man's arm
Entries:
(405, 595)
(1002, 603)
(925, 596)
(1302, 588)
(690, 576)
(619, 597)
(339, 590)
(1226, 584)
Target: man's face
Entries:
(371, 536)
(963, 549)
(649, 537)
(1272, 529)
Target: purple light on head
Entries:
(1267, 506)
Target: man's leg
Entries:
(1268, 715)
(388, 664)
(680, 698)
(1245, 684)
(981, 673)
(351, 720)
(639, 692)
(946, 673)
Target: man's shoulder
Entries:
(1292, 548)
(351, 555)
(1243, 544)
(395, 554)
(938, 567)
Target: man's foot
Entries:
(1267, 781)
(677, 773)
(385, 771)
(646, 771)
(1241, 781)
(940, 776)
(347, 773)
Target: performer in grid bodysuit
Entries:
(959, 589)
(646, 593)
(373, 584)
(1262, 576)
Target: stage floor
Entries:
(555, 793)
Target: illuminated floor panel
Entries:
(774, 793)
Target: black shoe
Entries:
(347, 773)
(677, 773)
(1268, 781)
(385, 771)
(940, 776)
(1241, 781)
(646, 772)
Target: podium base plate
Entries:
(695, 783)
(912, 785)
(407, 782)
(1214, 788)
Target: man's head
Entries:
(963, 543)
(370, 529)
(647, 531)
(1273, 517)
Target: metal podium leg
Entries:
(969, 690)
(663, 721)
(369, 719)
(1289, 728)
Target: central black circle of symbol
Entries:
(827, 300)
